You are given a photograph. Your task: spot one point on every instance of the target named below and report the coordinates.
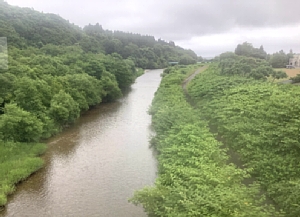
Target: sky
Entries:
(208, 27)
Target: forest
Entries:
(234, 109)
(56, 71)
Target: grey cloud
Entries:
(217, 16)
(269, 46)
(173, 20)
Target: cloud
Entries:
(272, 39)
(180, 20)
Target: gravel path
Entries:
(191, 77)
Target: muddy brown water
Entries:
(94, 166)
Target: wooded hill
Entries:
(25, 27)
(53, 64)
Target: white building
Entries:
(295, 61)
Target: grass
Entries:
(290, 72)
(139, 72)
(17, 162)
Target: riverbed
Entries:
(95, 165)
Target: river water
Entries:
(93, 167)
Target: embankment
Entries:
(260, 121)
(193, 176)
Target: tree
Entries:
(88, 86)
(244, 49)
(186, 60)
(110, 86)
(32, 95)
(279, 60)
(278, 74)
(227, 55)
(247, 49)
(200, 59)
(19, 125)
(94, 67)
(63, 108)
(118, 67)
(6, 87)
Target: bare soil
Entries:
(290, 72)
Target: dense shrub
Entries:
(193, 177)
(259, 120)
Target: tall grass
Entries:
(17, 162)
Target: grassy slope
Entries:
(193, 177)
(260, 120)
(17, 162)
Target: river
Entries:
(94, 166)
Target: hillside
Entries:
(26, 27)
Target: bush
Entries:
(259, 120)
(193, 177)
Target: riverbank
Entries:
(193, 176)
(96, 162)
(260, 121)
(17, 162)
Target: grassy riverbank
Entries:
(139, 72)
(193, 177)
(260, 121)
(17, 162)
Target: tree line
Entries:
(57, 70)
(256, 68)
(25, 27)
(277, 60)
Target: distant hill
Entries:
(26, 27)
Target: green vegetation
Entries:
(296, 79)
(247, 67)
(140, 71)
(276, 60)
(246, 49)
(193, 176)
(57, 71)
(17, 162)
(260, 121)
(25, 28)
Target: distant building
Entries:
(295, 61)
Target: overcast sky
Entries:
(209, 27)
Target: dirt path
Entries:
(191, 77)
